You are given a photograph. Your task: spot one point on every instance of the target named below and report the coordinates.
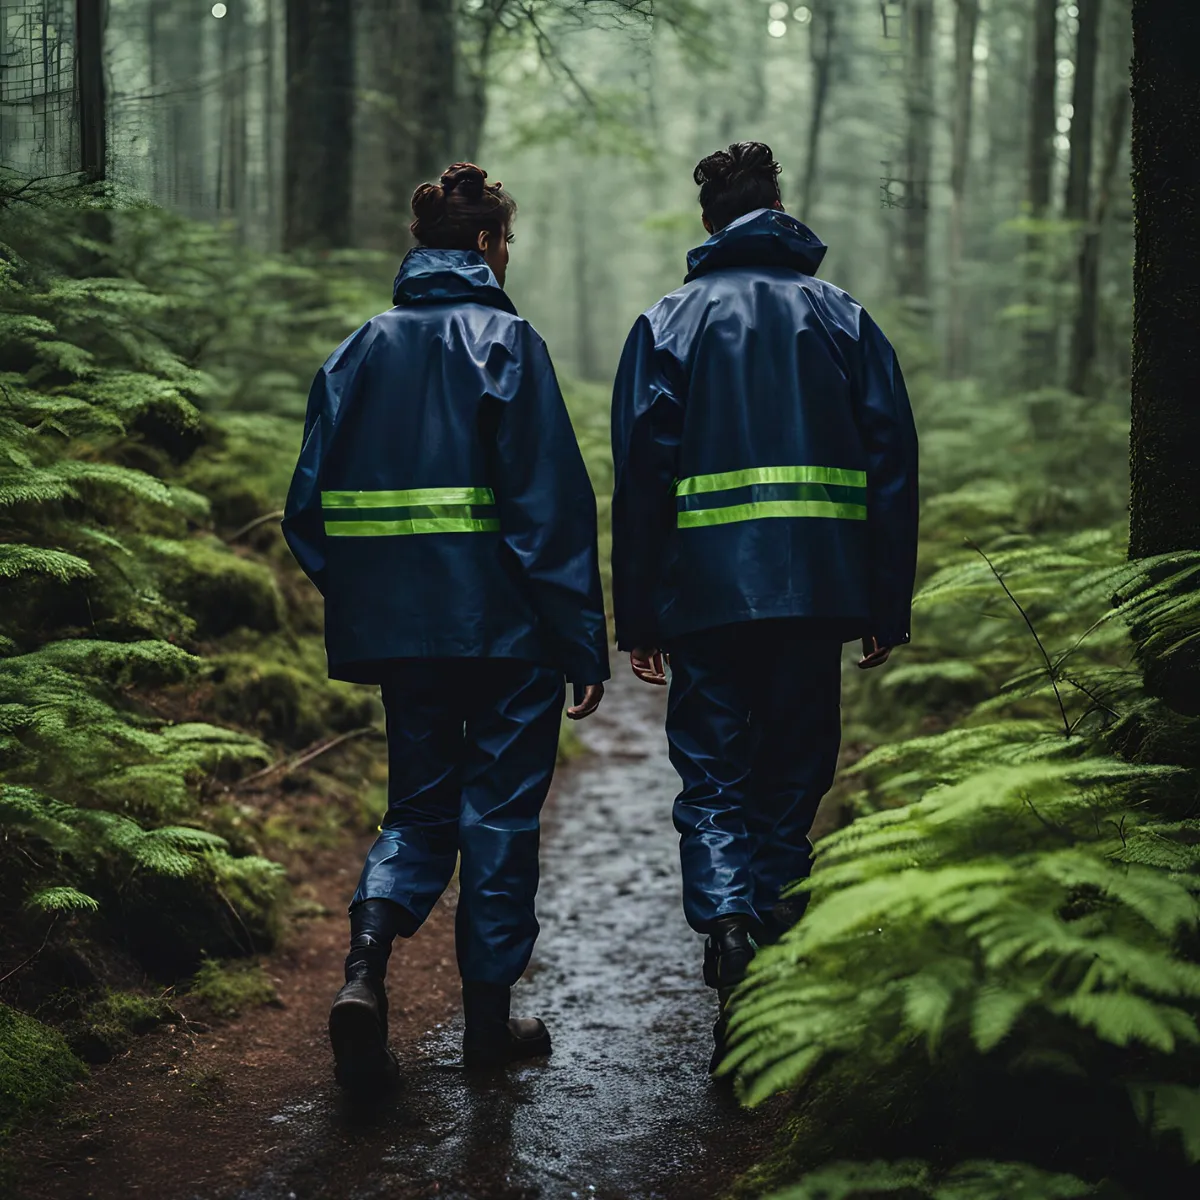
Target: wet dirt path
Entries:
(623, 1109)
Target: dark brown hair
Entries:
(736, 181)
(451, 214)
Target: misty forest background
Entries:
(996, 990)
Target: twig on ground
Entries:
(245, 529)
(287, 765)
(22, 965)
(1025, 617)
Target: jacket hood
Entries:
(766, 237)
(436, 276)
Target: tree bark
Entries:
(407, 127)
(821, 42)
(1083, 102)
(318, 142)
(1083, 335)
(1039, 335)
(966, 26)
(914, 260)
(1165, 432)
(93, 131)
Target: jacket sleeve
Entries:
(885, 423)
(332, 389)
(647, 425)
(547, 514)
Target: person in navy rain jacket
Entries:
(442, 507)
(764, 512)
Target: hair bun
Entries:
(429, 203)
(466, 179)
(715, 167)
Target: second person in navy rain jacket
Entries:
(442, 507)
(764, 512)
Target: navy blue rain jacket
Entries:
(440, 502)
(765, 453)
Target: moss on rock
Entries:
(36, 1067)
(110, 1023)
(220, 590)
(230, 989)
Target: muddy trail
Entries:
(622, 1110)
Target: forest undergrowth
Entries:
(164, 711)
(995, 991)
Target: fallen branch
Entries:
(245, 529)
(22, 965)
(287, 765)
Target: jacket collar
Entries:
(766, 237)
(437, 276)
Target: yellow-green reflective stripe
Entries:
(411, 525)
(736, 479)
(414, 512)
(409, 498)
(694, 517)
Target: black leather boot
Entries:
(727, 955)
(358, 1027)
(492, 1038)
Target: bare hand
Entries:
(592, 695)
(874, 655)
(650, 666)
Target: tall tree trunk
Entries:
(409, 84)
(1083, 335)
(1083, 102)
(1165, 435)
(914, 258)
(821, 41)
(966, 26)
(1039, 334)
(93, 132)
(231, 159)
(584, 286)
(320, 106)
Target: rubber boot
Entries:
(727, 955)
(492, 1038)
(358, 1025)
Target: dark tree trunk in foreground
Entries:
(966, 26)
(320, 107)
(1039, 335)
(89, 50)
(1165, 433)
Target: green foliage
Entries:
(1017, 903)
(920, 1181)
(229, 989)
(144, 651)
(36, 1067)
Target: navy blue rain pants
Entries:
(472, 744)
(753, 723)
